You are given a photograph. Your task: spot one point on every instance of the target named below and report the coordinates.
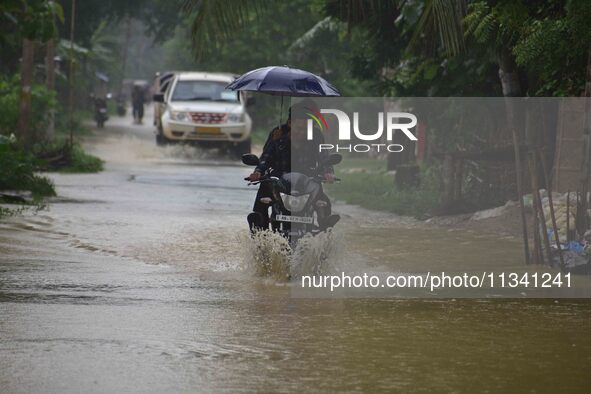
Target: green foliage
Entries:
(246, 35)
(366, 183)
(411, 56)
(548, 39)
(17, 172)
(60, 156)
(42, 101)
(159, 16)
(378, 34)
(215, 19)
(82, 162)
(543, 36)
(9, 96)
(280, 33)
(480, 22)
(444, 19)
(461, 75)
(34, 19)
(498, 26)
(553, 49)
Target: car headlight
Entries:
(180, 116)
(235, 118)
(294, 203)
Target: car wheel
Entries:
(161, 140)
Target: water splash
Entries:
(317, 255)
(131, 149)
(266, 254)
(269, 255)
(187, 152)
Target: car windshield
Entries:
(203, 91)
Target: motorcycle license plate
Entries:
(295, 219)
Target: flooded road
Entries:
(133, 281)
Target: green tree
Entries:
(264, 33)
(34, 20)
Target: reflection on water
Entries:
(83, 312)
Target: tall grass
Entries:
(367, 184)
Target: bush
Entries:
(17, 172)
(8, 105)
(60, 156)
(42, 101)
(80, 161)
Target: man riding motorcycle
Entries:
(278, 160)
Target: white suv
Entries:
(198, 108)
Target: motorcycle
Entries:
(100, 111)
(298, 203)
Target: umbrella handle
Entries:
(280, 111)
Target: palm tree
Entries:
(215, 19)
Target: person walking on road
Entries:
(137, 100)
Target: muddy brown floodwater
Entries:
(132, 281)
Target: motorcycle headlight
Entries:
(180, 116)
(235, 118)
(294, 203)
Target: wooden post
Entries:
(538, 256)
(568, 216)
(579, 215)
(536, 195)
(532, 133)
(551, 206)
(511, 124)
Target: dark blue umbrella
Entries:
(284, 81)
